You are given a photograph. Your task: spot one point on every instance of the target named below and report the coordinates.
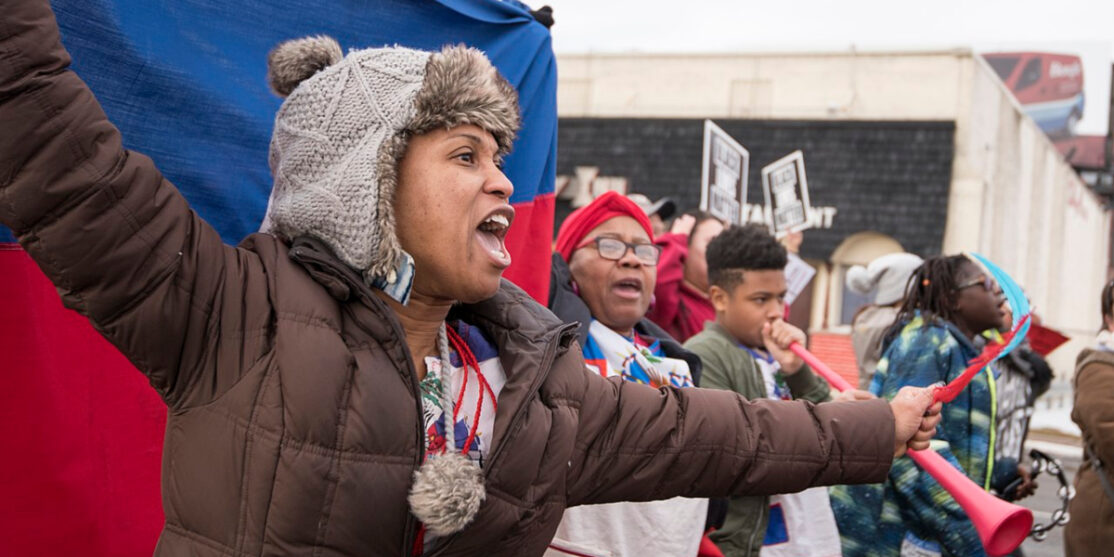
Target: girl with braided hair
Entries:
(950, 300)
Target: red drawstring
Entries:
(419, 542)
(468, 360)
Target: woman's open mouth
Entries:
(628, 288)
(491, 234)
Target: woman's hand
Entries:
(915, 419)
(683, 225)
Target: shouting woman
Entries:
(358, 380)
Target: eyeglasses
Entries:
(614, 249)
(985, 281)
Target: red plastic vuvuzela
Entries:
(1001, 525)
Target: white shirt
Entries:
(801, 524)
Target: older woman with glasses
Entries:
(604, 271)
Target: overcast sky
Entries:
(1078, 27)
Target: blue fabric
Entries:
(185, 81)
(615, 354)
(776, 529)
(596, 355)
(1019, 302)
(481, 346)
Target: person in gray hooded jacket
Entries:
(887, 277)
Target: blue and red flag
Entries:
(185, 81)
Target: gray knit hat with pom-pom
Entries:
(886, 276)
(344, 127)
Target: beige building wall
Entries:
(1013, 198)
(861, 86)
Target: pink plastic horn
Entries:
(1002, 526)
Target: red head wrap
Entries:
(583, 220)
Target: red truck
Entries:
(1048, 86)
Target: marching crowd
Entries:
(356, 379)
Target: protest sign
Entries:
(786, 193)
(797, 276)
(723, 183)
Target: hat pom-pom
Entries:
(860, 280)
(294, 61)
(447, 493)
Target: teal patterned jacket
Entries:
(911, 507)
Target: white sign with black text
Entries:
(786, 192)
(797, 276)
(723, 182)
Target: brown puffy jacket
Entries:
(1091, 529)
(294, 423)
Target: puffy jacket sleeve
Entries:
(636, 443)
(117, 240)
(806, 385)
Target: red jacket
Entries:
(678, 308)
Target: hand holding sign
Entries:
(683, 225)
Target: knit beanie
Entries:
(343, 128)
(338, 139)
(583, 220)
(889, 274)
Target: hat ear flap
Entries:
(295, 61)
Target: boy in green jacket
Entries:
(745, 350)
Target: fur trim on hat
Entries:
(447, 493)
(386, 245)
(462, 87)
(294, 61)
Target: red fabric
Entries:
(528, 243)
(83, 430)
(947, 393)
(678, 308)
(607, 206)
(1044, 340)
(707, 548)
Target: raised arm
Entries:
(117, 240)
